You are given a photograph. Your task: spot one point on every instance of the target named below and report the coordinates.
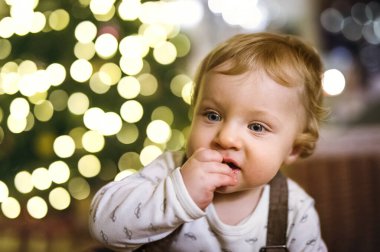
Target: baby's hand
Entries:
(203, 173)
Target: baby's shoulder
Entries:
(298, 197)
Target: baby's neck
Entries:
(232, 208)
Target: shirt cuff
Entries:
(184, 197)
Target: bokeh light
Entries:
(333, 82)
(59, 198)
(37, 207)
(87, 96)
(11, 208)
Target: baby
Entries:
(257, 104)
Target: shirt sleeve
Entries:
(143, 207)
(304, 232)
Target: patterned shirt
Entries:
(153, 207)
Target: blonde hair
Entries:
(287, 60)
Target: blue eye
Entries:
(212, 116)
(256, 127)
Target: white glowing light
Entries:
(106, 45)
(81, 70)
(149, 153)
(85, 32)
(23, 182)
(37, 207)
(4, 191)
(131, 111)
(158, 131)
(11, 208)
(59, 172)
(64, 146)
(333, 82)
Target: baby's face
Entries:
(251, 120)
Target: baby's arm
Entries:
(142, 208)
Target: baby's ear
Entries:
(293, 155)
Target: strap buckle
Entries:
(275, 248)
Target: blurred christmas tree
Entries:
(90, 91)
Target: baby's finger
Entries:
(207, 155)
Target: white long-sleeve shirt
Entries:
(153, 206)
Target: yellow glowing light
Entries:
(81, 70)
(148, 84)
(58, 99)
(101, 7)
(2, 134)
(131, 111)
(131, 65)
(158, 131)
(43, 111)
(134, 46)
(106, 45)
(163, 113)
(27, 67)
(123, 174)
(85, 32)
(37, 98)
(9, 83)
(128, 87)
(38, 22)
(97, 85)
(165, 53)
(11, 208)
(4, 191)
(333, 82)
(56, 74)
(129, 160)
(59, 172)
(37, 207)
(91, 118)
(64, 146)
(155, 34)
(149, 153)
(19, 108)
(186, 92)
(107, 16)
(93, 141)
(59, 19)
(41, 178)
(110, 73)
(78, 103)
(182, 44)
(16, 125)
(129, 10)
(6, 27)
(5, 48)
(176, 142)
(89, 166)
(79, 188)
(77, 134)
(84, 51)
(29, 122)
(128, 134)
(23, 182)
(178, 82)
(59, 198)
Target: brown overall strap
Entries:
(278, 214)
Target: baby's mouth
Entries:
(232, 165)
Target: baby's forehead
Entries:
(286, 75)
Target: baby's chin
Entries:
(226, 189)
